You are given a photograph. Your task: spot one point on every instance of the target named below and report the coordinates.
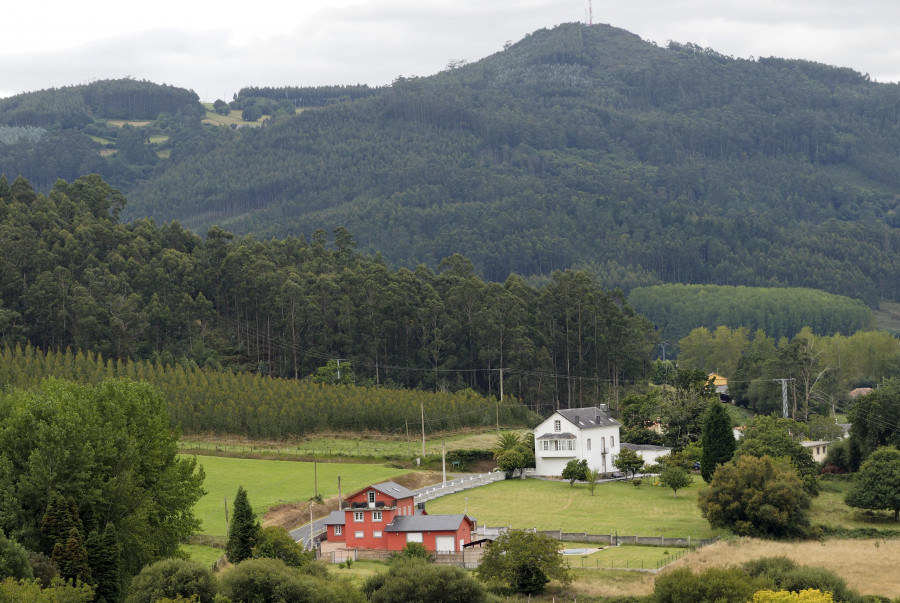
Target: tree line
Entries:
(677, 309)
(258, 407)
(73, 276)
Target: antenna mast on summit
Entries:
(590, 13)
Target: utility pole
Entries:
(408, 447)
(316, 478)
(340, 502)
(784, 397)
(444, 461)
(227, 526)
(422, 404)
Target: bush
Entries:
(171, 578)
(714, 585)
(416, 580)
(272, 580)
(806, 577)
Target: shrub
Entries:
(416, 580)
(171, 578)
(714, 585)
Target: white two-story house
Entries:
(576, 433)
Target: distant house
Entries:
(649, 452)
(860, 391)
(720, 383)
(818, 449)
(576, 433)
(385, 516)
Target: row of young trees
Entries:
(677, 309)
(72, 276)
(255, 406)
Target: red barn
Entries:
(385, 516)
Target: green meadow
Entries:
(617, 507)
(270, 483)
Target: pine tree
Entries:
(243, 531)
(71, 558)
(58, 520)
(103, 558)
(717, 440)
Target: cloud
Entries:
(216, 53)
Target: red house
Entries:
(385, 516)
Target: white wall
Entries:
(553, 462)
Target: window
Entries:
(359, 516)
(612, 441)
(359, 534)
(371, 496)
(571, 444)
(338, 530)
(589, 443)
(376, 534)
(557, 425)
(376, 515)
(602, 444)
(545, 445)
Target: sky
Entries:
(217, 48)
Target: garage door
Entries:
(444, 544)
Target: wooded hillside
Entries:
(583, 145)
(576, 146)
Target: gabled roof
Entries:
(335, 518)
(426, 523)
(391, 489)
(588, 417)
(557, 436)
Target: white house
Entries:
(576, 433)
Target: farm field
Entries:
(351, 445)
(269, 483)
(207, 555)
(615, 507)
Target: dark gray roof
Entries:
(393, 489)
(643, 446)
(588, 417)
(425, 523)
(389, 488)
(335, 518)
(557, 436)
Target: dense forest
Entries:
(73, 276)
(576, 146)
(678, 309)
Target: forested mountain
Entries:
(577, 146)
(72, 276)
(582, 145)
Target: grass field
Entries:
(207, 555)
(354, 446)
(829, 509)
(616, 507)
(269, 483)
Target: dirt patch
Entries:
(293, 515)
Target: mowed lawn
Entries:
(269, 483)
(617, 507)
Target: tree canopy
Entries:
(525, 561)
(108, 449)
(877, 483)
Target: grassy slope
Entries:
(615, 507)
(269, 483)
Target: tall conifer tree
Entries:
(717, 440)
(243, 531)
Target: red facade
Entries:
(384, 516)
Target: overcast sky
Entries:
(216, 51)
